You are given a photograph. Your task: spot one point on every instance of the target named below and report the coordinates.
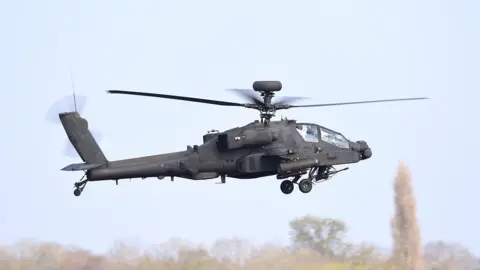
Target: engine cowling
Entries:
(246, 139)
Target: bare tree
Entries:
(440, 255)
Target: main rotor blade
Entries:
(288, 100)
(247, 94)
(191, 99)
(355, 102)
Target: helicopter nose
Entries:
(362, 148)
(365, 150)
(367, 153)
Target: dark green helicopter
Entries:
(295, 152)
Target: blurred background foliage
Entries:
(317, 243)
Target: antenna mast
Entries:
(73, 90)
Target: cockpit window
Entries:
(308, 132)
(334, 138)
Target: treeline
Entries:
(316, 243)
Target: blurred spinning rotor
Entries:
(69, 103)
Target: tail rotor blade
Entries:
(97, 135)
(70, 151)
(69, 104)
(65, 104)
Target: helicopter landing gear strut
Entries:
(315, 175)
(79, 186)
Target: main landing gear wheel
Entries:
(305, 186)
(286, 186)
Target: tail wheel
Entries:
(77, 192)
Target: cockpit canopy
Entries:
(314, 133)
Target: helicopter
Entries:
(297, 153)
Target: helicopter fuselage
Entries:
(281, 148)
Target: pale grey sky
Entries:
(328, 50)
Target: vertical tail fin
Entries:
(81, 138)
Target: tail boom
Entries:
(180, 164)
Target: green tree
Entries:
(323, 235)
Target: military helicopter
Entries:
(297, 153)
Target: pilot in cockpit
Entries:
(312, 133)
(302, 130)
(312, 130)
(309, 133)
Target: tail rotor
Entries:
(76, 103)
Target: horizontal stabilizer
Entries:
(81, 167)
